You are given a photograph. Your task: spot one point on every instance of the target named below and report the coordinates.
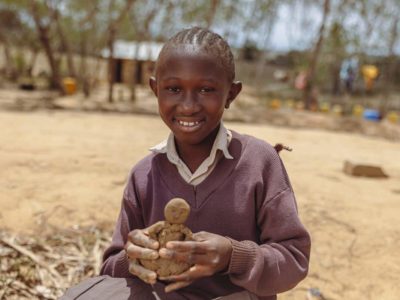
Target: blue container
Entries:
(372, 115)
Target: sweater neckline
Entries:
(197, 195)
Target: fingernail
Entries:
(153, 278)
(165, 253)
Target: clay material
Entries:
(176, 213)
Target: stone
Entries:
(363, 170)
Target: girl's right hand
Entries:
(141, 246)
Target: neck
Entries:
(194, 155)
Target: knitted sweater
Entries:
(248, 199)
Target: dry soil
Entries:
(66, 168)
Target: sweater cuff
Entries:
(121, 265)
(243, 253)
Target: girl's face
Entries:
(192, 90)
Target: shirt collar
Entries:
(221, 142)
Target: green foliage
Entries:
(358, 27)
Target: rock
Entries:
(363, 170)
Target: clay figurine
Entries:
(176, 213)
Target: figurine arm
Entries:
(187, 232)
(156, 227)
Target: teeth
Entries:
(188, 124)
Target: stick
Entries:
(96, 254)
(35, 259)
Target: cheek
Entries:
(165, 106)
(215, 108)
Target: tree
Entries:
(115, 17)
(43, 18)
(307, 96)
(85, 24)
(9, 23)
(140, 18)
(64, 41)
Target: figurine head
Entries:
(176, 211)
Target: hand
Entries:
(141, 246)
(210, 253)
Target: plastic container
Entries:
(358, 110)
(337, 110)
(69, 85)
(275, 104)
(325, 107)
(372, 115)
(393, 117)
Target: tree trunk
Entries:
(211, 13)
(112, 33)
(143, 35)
(308, 90)
(110, 44)
(394, 35)
(10, 71)
(65, 45)
(45, 41)
(32, 62)
(83, 67)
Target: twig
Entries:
(35, 259)
(96, 254)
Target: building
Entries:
(133, 61)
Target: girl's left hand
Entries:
(210, 253)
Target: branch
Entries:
(89, 16)
(35, 259)
(114, 24)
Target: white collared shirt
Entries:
(221, 143)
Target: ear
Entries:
(153, 85)
(235, 89)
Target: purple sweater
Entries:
(248, 198)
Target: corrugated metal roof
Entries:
(135, 50)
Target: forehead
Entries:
(189, 59)
(177, 206)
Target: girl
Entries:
(249, 242)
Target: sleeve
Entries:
(115, 262)
(280, 261)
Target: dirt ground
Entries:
(69, 167)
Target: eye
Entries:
(207, 89)
(173, 89)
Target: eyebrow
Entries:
(177, 78)
(171, 78)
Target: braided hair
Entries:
(206, 40)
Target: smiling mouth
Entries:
(188, 124)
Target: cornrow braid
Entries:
(212, 43)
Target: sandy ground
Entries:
(66, 168)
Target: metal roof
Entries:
(135, 50)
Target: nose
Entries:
(189, 104)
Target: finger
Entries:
(187, 257)
(144, 274)
(176, 285)
(201, 236)
(134, 251)
(195, 272)
(176, 255)
(140, 238)
(188, 246)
